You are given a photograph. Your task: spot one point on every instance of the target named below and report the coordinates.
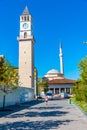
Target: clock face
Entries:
(25, 25)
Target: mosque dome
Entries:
(52, 71)
(53, 74)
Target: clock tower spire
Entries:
(26, 11)
(26, 50)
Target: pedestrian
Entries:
(46, 100)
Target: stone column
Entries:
(59, 90)
(70, 90)
(54, 91)
(65, 90)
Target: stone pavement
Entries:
(35, 115)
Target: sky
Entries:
(54, 21)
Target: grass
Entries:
(81, 104)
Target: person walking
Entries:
(46, 100)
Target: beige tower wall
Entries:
(26, 63)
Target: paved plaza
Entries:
(36, 115)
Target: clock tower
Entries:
(26, 51)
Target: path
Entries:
(57, 115)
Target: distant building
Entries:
(56, 80)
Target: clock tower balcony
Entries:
(21, 38)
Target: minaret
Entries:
(61, 60)
(26, 51)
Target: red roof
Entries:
(61, 81)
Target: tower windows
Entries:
(25, 34)
(27, 18)
(22, 18)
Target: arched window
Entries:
(27, 18)
(22, 18)
(25, 34)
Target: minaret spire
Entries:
(61, 59)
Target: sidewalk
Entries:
(57, 115)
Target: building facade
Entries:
(61, 85)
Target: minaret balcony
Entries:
(61, 55)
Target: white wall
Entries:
(19, 96)
(26, 94)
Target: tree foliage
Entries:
(8, 78)
(8, 75)
(80, 89)
(42, 86)
(83, 70)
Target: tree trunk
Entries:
(4, 99)
(4, 102)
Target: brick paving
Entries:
(36, 115)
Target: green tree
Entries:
(8, 78)
(83, 70)
(80, 88)
(42, 85)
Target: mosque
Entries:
(56, 80)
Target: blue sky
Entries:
(53, 21)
